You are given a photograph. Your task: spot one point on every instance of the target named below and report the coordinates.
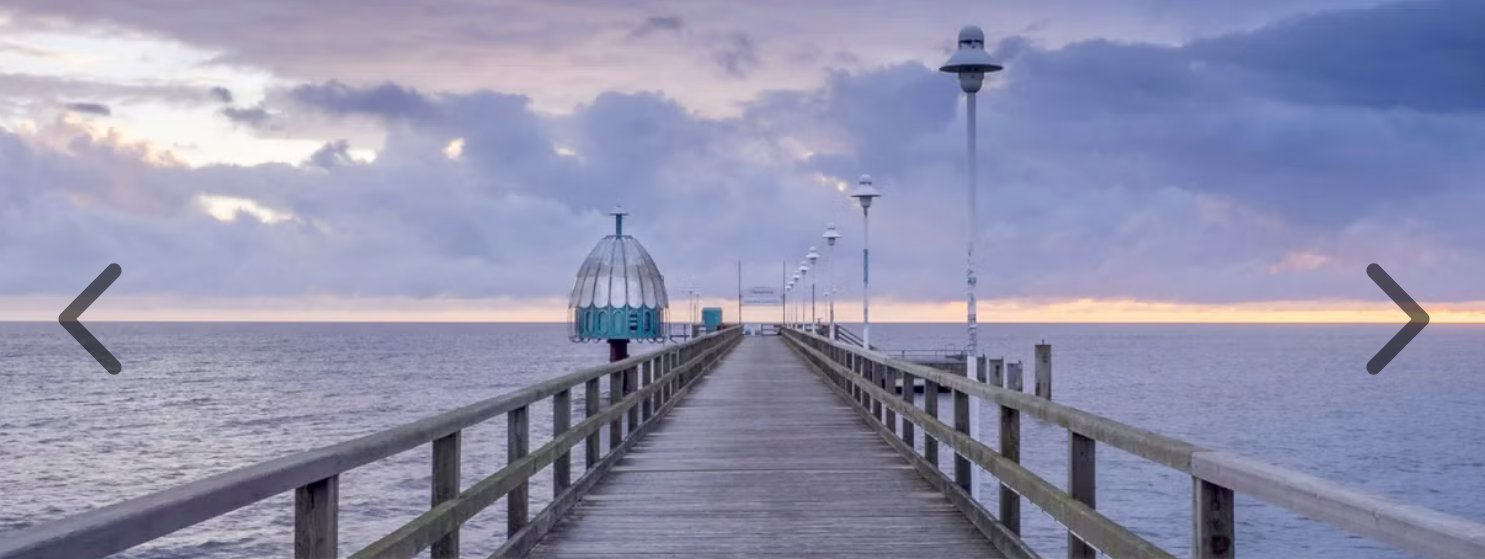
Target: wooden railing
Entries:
(868, 380)
(641, 389)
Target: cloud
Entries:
(658, 24)
(1185, 172)
(251, 116)
(736, 55)
(222, 94)
(89, 108)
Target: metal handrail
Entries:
(117, 527)
(1414, 529)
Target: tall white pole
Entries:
(830, 284)
(974, 327)
(866, 277)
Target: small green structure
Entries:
(619, 294)
(712, 318)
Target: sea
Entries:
(197, 399)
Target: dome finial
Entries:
(618, 214)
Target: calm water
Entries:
(200, 399)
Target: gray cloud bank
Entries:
(1269, 164)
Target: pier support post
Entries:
(1010, 448)
(561, 422)
(962, 473)
(517, 441)
(1081, 485)
(316, 519)
(647, 406)
(592, 403)
(1211, 521)
(1044, 371)
(446, 486)
(631, 384)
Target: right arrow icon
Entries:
(1417, 319)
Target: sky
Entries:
(1141, 160)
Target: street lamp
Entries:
(812, 257)
(831, 235)
(970, 62)
(865, 193)
(794, 311)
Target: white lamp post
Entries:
(794, 311)
(831, 235)
(812, 257)
(865, 193)
(970, 62)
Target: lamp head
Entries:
(970, 60)
(865, 192)
(831, 235)
(812, 256)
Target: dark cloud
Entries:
(256, 117)
(658, 24)
(221, 94)
(736, 55)
(390, 101)
(333, 154)
(89, 108)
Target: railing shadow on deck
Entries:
(642, 388)
(866, 380)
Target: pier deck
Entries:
(762, 459)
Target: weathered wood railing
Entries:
(867, 379)
(641, 388)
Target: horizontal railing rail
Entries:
(868, 378)
(313, 475)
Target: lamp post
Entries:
(864, 194)
(814, 321)
(831, 235)
(794, 311)
(970, 62)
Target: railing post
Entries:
(316, 519)
(631, 384)
(1211, 521)
(517, 441)
(889, 383)
(1044, 371)
(615, 394)
(592, 403)
(930, 405)
(1010, 448)
(877, 379)
(1081, 480)
(907, 396)
(445, 487)
(647, 405)
(962, 474)
(561, 422)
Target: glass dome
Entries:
(619, 293)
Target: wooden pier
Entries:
(784, 446)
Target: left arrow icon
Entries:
(69, 316)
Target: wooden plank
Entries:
(1411, 528)
(316, 519)
(930, 406)
(762, 459)
(446, 453)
